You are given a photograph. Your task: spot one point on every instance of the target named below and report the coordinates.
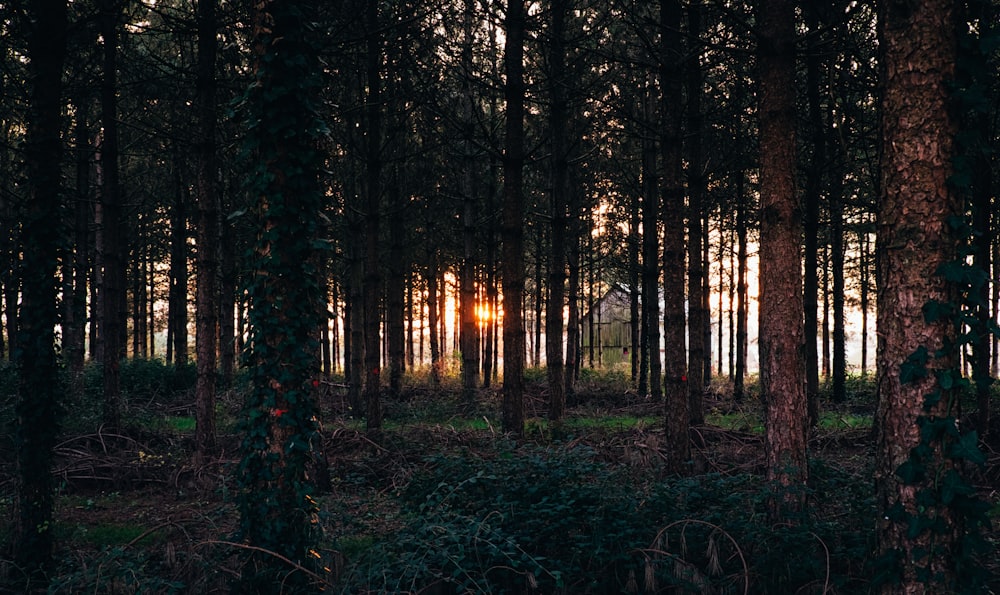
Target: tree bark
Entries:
(812, 198)
(699, 346)
(113, 290)
(782, 366)
(36, 426)
(650, 256)
(208, 203)
(469, 303)
(373, 198)
(512, 225)
(919, 53)
(677, 418)
(558, 116)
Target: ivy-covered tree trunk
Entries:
(207, 298)
(284, 132)
(512, 226)
(920, 490)
(782, 366)
(37, 405)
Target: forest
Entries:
(499, 296)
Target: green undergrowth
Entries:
(561, 520)
(752, 422)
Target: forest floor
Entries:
(445, 503)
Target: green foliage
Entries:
(282, 152)
(560, 520)
(116, 570)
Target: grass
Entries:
(752, 422)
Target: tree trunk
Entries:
(208, 202)
(650, 255)
(36, 426)
(782, 367)
(699, 346)
(512, 225)
(432, 316)
(558, 116)
(573, 349)
(812, 198)
(676, 416)
(373, 193)
(914, 237)
(177, 317)
(276, 509)
(742, 297)
(469, 304)
(395, 289)
(74, 345)
(111, 207)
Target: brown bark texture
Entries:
(782, 363)
(914, 240)
(512, 227)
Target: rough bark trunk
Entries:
(208, 204)
(782, 366)
(650, 255)
(558, 116)
(512, 226)
(675, 374)
(373, 199)
(919, 47)
(36, 426)
(812, 198)
(111, 206)
(699, 346)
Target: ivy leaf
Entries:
(966, 448)
(911, 472)
(915, 366)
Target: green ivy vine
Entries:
(277, 510)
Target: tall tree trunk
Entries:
(742, 295)
(864, 265)
(276, 509)
(395, 289)
(512, 225)
(573, 349)
(839, 335)
(558, 117)
(227, 306)
(634, 289)
(812, 198)
(177, 315)
(111, 207)
(676, 416)
(74, 329)
(782, 369)
(208, 202)
(650, 255)
(373, 194)
(38, 391)
(469, 304)
(433, 315)
(919, 53)
(698, 314)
